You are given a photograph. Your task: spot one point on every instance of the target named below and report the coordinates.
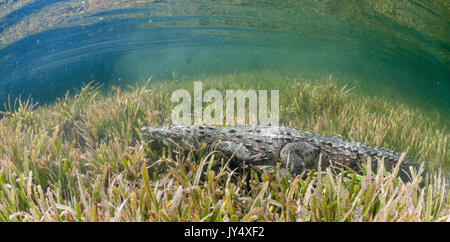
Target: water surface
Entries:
(397, 47)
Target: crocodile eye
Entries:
(232, 131)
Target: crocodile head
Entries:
(171, 135)
(154, 132)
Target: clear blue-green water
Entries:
(384, 46)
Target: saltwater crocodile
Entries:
(267, 144)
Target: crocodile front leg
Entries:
(299, 155)
(230, 148)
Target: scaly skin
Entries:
(267, 144)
